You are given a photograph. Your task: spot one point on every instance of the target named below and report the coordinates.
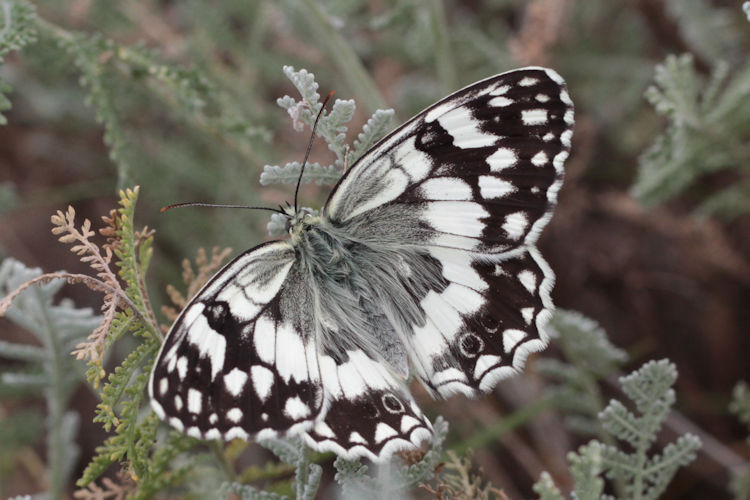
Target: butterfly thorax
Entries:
(352, 283)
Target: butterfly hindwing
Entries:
(369, 411)
(481, 326)
(234, 364)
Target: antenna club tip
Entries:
(163, 209)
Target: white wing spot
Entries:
(323, 429)
(565, 97)
(528, 314)
(528, 280)
(182, 367)
(163, 386)
(448, 375)
(446, 188)
(234, 415)
(502, 159)
(540, 159)
(515, 225)
(527, 81)
(559, 160)
(534, 116)
(209, 343)
(296, 409)
(195, 401)
(565, 138)
(291, 362)
(236, 432)
(484, 363)
(264, 417)
(384, 431)
(542, 97)
(178, 402)
(234, 381)
(500, 101)
(548, 136)
(408, 423)
(356, 437)
(464, 129)
(456, 217)
(569, 117)
(213, 434)
(500, 90)
(213, 418)
(511, 337)
(262, 379)
(264, 338)
(177, 423)
(490, 187)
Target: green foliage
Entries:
(709, 122)
(643, 476)
(590, 357)
(740, 406)
(48, 369)
(123, 395)
(332, 128)
(586, 467)
(17, 29)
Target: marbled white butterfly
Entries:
(422, 262)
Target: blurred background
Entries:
(651, 238)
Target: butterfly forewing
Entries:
(477, 171)
(234, 364)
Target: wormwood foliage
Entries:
(47, 370)
(119, 267)
(709, 122)
(16, 31)
(332, 128)
(642, 475)
(590, 357)
(740, 406)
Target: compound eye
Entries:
(289, 225)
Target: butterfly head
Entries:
(300, 221)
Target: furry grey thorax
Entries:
(365, 294)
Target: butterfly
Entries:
(422, 263)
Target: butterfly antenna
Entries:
(309, 147)
(213, 205)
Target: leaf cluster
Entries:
(642, 475)
(709, 123)
(17, 30)
(332, 128)
(589, 358)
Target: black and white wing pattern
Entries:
(469, 184)
(233, 364)
(369, 413)
(243, 361)
(422, 260)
